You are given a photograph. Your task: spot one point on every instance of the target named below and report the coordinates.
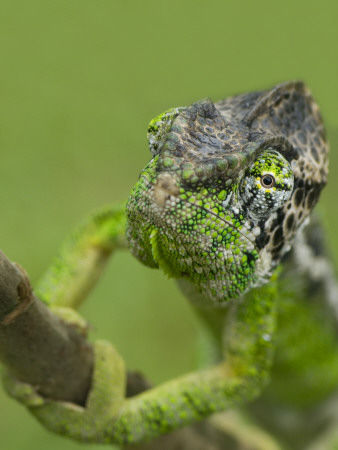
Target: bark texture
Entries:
(36, 345)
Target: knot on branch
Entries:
(25, 296)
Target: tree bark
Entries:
(36, 345)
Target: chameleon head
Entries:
(228, 187)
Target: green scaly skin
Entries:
(83, 257)
(225, 197)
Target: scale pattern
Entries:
(228, 188)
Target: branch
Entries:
(36, 345)
(41, 349)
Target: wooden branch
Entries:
(36, 345)
(41, 349)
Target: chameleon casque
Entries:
(224, 207)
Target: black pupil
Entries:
(268, 181)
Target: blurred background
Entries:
(79, 82)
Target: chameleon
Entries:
(224, 208)
(228, 188)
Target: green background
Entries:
(79, 82)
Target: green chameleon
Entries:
(223, 207)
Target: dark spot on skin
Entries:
(261, 239)
(227, 147)
(295, 155)
(276, 250)
(298, 197)
(278, 222)
(278, 236)
(290, 222)
(278, 100)
(311, 198)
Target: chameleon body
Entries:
(229, 186)
(222, 207)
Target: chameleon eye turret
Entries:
(228, 188)
(266, 186)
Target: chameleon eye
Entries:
(266, 185)
(267, 181)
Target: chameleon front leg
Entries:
(238, 379)
(83, 257)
